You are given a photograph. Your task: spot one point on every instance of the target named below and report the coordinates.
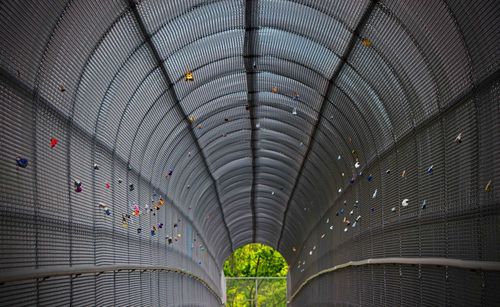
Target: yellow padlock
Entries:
(188, 76)
(366, 42)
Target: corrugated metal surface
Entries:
(309, 125)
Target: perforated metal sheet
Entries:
(261, 146)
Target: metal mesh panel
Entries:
(79, 233)
(418, 285)
(483, 49)
(443, 58)
(18, 193)
(423, 162)
(343, 11)
(100, 69)
(205, 20)
(336, 131)
(55, 291)
(65, 57)
(22, 48)
(327, 31)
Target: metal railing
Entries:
(256, 291)
(14, 275)
(436, 261)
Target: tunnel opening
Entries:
(255, 276)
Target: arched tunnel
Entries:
(143, 142)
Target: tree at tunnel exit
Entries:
(256, 260)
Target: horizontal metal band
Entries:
(447, 262)
(12, 275)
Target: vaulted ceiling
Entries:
(286, 96)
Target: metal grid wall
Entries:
(111, 289)
(395, 285)
(67, 228)
(287, 96)
(459, 220)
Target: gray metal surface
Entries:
(287, 96)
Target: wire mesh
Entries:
(344, 130)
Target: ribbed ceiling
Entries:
(286, 95)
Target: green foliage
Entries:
(255, 260)
(241, 293)
(272, 293)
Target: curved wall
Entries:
(297, 111)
